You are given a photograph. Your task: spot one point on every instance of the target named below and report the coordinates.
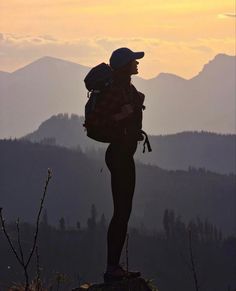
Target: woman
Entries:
(119, 156)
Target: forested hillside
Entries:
(212, 151)
(79, 181)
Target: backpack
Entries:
(97, 125)
(98, 77)
(98, 110)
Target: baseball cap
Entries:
(123, 56)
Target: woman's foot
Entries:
(118, 274)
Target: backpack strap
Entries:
(146, 142)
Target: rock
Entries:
(136, 284)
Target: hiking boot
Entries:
(119, 274)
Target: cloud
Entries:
(48, 37)
(14, 39)
(202, 48)
(226, 15)
(25, 45)
(230, 14)
(17, 50)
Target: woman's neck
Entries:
(121, 79)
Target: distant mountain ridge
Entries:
(220, 62)
(78, 181)
(50, 86)
(215, 152)
(47, 62)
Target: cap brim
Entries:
(138, 55)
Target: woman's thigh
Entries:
(122, 170)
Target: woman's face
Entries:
(134, 67)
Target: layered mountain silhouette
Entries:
(79, 180)
(215, 152)
(50, 86)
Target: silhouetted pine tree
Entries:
(166, 223)
(78, 225)
(62, 224)
(91, 222)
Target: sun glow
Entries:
(177, 36)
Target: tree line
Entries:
(74, 254)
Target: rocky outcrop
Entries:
(137, 284)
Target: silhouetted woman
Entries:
(119, 156)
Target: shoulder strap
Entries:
(146, 142)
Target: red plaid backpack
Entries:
(98, 122)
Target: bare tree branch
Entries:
(38, 269)
(8, 238)
(19, 241)
(192, 260)
(49, 176)
(20, 257)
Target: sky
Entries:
(177, 36)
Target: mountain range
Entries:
(215, 152)
(79, 180)
(49, 86)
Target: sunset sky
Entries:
(177, 36)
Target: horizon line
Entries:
(88, 67)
